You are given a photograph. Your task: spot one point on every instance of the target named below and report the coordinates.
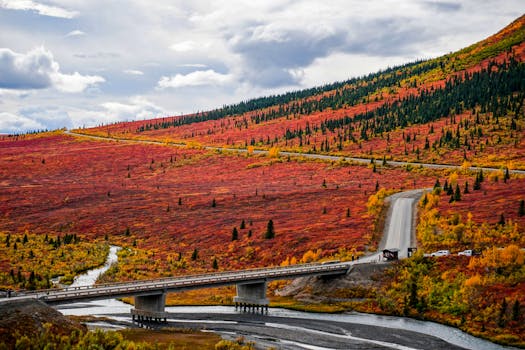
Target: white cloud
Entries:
(184, 46)
(197, 78)
(37, 69)
(135, 108)
(133, 72)
(74, 82)
(76, 33)
(193, 65)
(41, 9)
(12, 123)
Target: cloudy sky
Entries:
(74, 63)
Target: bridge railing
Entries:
(202, 278)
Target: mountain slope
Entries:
(464, 106)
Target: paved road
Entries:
(305, 155)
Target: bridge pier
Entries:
(149, 308)
(251, 297)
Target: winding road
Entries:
(297, 154)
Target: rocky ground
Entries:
(28, 317)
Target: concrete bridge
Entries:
(150, 295)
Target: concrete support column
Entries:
(150, 308)
(251, 297)
(152, 303)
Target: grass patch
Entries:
(173, 338)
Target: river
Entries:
(288, 329)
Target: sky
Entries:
(81, 63)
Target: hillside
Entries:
(462, 107)
(182, 209)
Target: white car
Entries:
(441, 253)
(467, 252)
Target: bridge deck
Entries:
(159, 286)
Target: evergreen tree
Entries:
(270, 232)
(466, 188)
(501, 221)
(347, 212)
(180, 201)
(195, 254)
(213, 203)
(243, 225)
(516, 310)
(215, 264)
(437, 184)
(502, 312)
(235, 234)
(457, 194)
(521, 210)
(477, 183)
(507, 175)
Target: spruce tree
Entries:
(507, 175)
(477, 183)
(270, 232)
(195, 254)
(457, 194)
(235, 234)
(521, 210)
(516, 310)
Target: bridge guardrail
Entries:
(186, 281)
(273, 271)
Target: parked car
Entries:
(441, 253)
(467, 252)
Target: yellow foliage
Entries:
(473, 281)
(249, 150)
(310, 256)
(453, 179)
(466, 165)
(496, 175)
(273, 152)
(510, 256)
(194, 145)
(376, 201)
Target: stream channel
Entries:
(287, 329)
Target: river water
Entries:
(120, 311)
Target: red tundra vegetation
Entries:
(180, 206)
